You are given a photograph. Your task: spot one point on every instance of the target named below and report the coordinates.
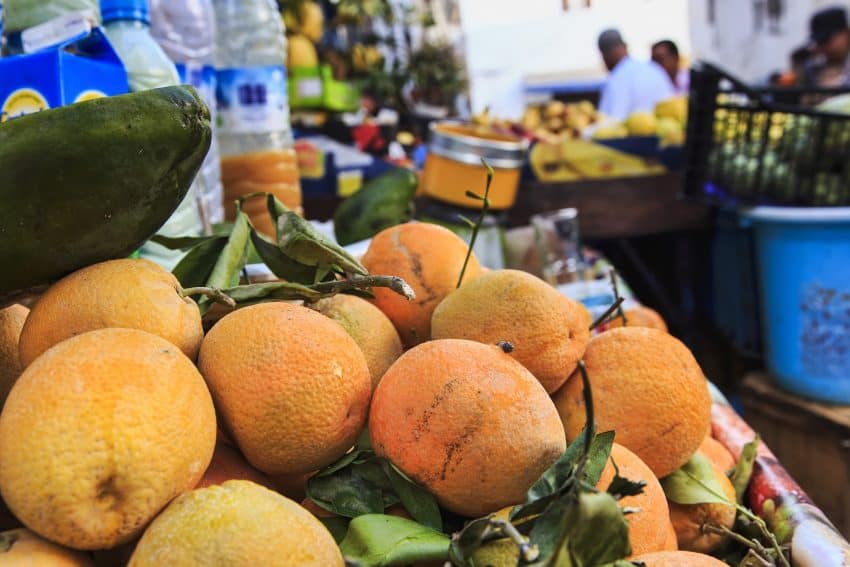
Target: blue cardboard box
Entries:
(81, 68)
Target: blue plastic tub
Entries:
(803, 257)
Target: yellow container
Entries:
(453, 165)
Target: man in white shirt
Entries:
(666, 54)
(632, 85)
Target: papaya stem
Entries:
(212, 293)
(353, 281)
(485, 206)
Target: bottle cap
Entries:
(112, 10)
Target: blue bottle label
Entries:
(202, 77)
(252, 100)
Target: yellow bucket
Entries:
(453, 165)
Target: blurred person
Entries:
(830, 36)
(666, 54)
(632, 85)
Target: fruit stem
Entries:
(615, 285)
(608, 312)
(485, 206)
(527, 551)
(354, 281)
(752, 544)
(212, 293)
(765, 531)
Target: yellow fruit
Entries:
(649, 524)
(689, 520)
(555, 108)
(291, 386)
(547, 330)
(641, 123)
(649, 389)
(99, 433)
(12, 320)
(610, 131)
(675, 108)
(22, 548)
(678, 559)
(498, 553)
(467, 422)
(132, 294)
(531, 119)
(373, 332)
(237, 524)
(300, 52)
(670, 131)
(429, 258)
(312, 21)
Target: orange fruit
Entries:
(717, 454)
(373, 332)
(688, 519)
(236, 524)
(649, 525)
(99, 433)
(649, 389)
(228, 464)
(671, 543)
(547, 330)
(12, 320)
(21, 547)
(678, 559)
(640, 316)
(429, 258)
(467, 422)
(127, 293)
(291, 386)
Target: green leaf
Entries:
(279, 263)
(473, 536)
(377, 540)
(416, 500)
(195, 267)
(372, 470)
(268, 291)
(600, 450)
(595, 533)
(233, 257)
(300, 241)
(346, 493)
(337, 525)
(744, 469)
(694, 483)
(180, 242)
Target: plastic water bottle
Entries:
(127, 25)
(254, 135)
(186, 32)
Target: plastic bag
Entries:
(23, 14)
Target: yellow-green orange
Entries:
(429, 258)
(689, 520)
(99, 433)
(467, 422)
(547, 330)
(373, 332)
(647, 387)
(23, 548)
(291, 386)
(12, 320)
(127, 293)
(238, 524)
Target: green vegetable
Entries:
(383, 202)
(94, 180)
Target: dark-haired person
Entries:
(666, 54)
(830, 36)
(632, 85)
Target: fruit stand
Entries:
(358, 379)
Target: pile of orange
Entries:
(127, 427)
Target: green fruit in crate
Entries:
(382, 202)
(92, 181)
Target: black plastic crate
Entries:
(764, 146)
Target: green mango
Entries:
(381, 203)
(92, 181)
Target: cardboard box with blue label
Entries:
(81, 66)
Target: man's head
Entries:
(829, 31)
(666, 54)
(612, 47)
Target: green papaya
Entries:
(381, 203)
(92, 181)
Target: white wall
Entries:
(736, 42)
(507, 41)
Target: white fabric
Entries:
(634, 86)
